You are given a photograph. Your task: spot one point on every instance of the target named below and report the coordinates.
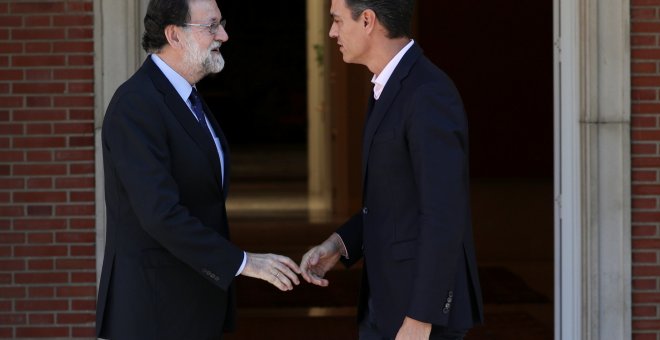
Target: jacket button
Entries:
(365, 210)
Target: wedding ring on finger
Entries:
(277, 274)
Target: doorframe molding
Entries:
(592, 170)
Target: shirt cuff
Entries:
(342, 247)
(240, 269)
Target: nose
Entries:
(333, 30)
(221, 34)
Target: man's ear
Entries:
(173, 35)
(368, 19)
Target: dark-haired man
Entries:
(169, 265)
(414, 231)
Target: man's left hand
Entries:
(414, 330)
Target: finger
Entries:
(282, 281)
(289, 263)
(317, 280)
(286, 271)
(305, 265)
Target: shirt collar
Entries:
(380, 80)
(180, 84)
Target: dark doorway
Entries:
(500, 55)
(260, 100)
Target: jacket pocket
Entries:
(404, 250)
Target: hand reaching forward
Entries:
(414, 330)
(279, 270)
(320, 259)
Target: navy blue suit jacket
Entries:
(168, 266)
(415, 231)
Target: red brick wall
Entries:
(646, 168)
(47, 236)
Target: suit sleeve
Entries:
(136, 143)
(437, 139)
(351, 234)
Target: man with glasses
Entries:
(169, 265)
(414, 231)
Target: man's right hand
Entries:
(279, 270)
(319, 260)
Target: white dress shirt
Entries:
(380, 80)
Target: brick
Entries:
(644, 122)
(11, 156)
(40, 238)
(41, 278)
(646, 324)
(80, 33)
(38, 20)
(76, 318)
(87, 87)
(74, 155)
(41, 265)
(39, 129)
(81, 169)
(644, 203)
(39, 156)
(646, 271)
(11, 75)
(82, 196)
(39, 210)
(83, 278)
(73, 128)
(41, 250)
(40, 142)
(12, 21)
(78, 142)
(82, 223)
(79, 305)
(644, 67)
(12, 238)
(38, 224)
(77, 292)
(74, 101)
(39, 169)
(10, 101)
(42, 332)
(645, 257)
(39, 61)
(38, 74)
(39, 34)
(41, 319)
(644, 149)
(81, 6)
(80, 332)
(75, 210)
(13, 319)
(12, 265)
(646, 217)
(80, 60)
(38, 48)
(75, 183)
(82, 250)
(7, 333)
(75, 237)
(11, 211)
(13, 292)
(73, 20)
(75, 264)
(32, 88)
(646, 13)
(646, 297)
(74, 47)
(37, 7)
(49, 115)
(81, 114)
(645, 284)
(645, 162)
(646, 189)
(644, 95)
(40, 197)
(39, 101)
(41, 305)
(41, 292)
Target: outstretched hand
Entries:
(319, 260)
(279, 270)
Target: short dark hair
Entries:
(395, 15)
(160, 14)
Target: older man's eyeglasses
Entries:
(212, 27)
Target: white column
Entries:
(117, 34)
(593, 252)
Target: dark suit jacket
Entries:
(168, 266)
(415, 231)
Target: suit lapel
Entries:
(382, 106)
(182, 113)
